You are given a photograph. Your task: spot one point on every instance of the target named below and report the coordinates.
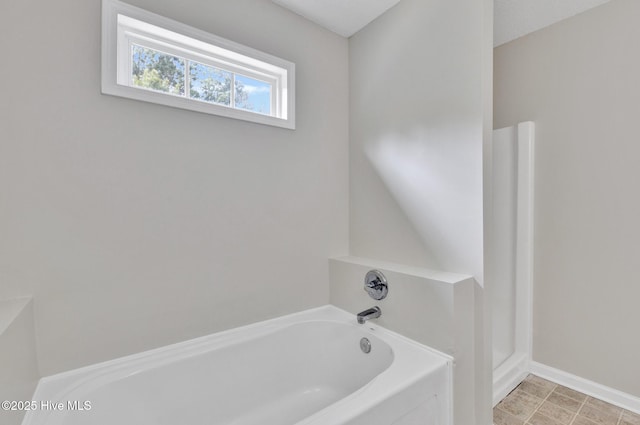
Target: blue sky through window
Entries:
(258, 94)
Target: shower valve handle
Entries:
(376, 285)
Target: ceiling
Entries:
(513, 18)
(344, 17)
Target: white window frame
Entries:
(124, 25)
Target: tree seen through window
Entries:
(163, 72)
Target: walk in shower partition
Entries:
(512, 191)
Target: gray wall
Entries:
(18, 362)
(578, 80)
(136, 225)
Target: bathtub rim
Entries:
(68, 383)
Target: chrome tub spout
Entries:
(371, 313)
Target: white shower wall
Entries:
(512, 224)
(505, 194)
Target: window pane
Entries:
(253, 95)
(210, 84)
(158, 71)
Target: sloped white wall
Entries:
(416, 77)
(420, 113)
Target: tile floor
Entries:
(537, 401)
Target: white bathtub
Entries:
(305, 369)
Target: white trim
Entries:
(509, 375)
(237, 58)
(524, 237)
(602, 392)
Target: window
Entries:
(155, 59)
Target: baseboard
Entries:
(613, 396)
